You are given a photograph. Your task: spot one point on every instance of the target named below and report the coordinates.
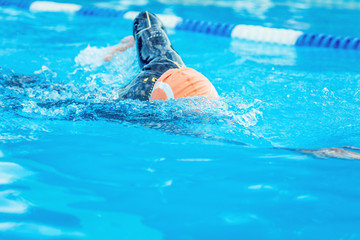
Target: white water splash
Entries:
(121, 69)
(91, 56)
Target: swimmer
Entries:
(164, 76)
(163, 73)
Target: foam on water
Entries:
(93, 92)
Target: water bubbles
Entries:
(91, 56)
(46, 72)
(29, 106)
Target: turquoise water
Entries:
(76, 164)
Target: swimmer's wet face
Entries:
(151, 38)
(146, 20)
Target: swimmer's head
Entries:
(182, 83)
(151, 38)
(145, 21)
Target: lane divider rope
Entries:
(246, 32)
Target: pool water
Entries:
(77, 164)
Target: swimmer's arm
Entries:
(126, 42)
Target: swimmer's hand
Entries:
(126, 42)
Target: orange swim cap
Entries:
(183, 82)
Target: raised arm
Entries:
(125, 43)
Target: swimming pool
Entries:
(75, 164)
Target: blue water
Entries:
(76, 164)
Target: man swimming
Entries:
(163, 73)
(163, 76)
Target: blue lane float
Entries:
(15, 3)
(246, 32)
